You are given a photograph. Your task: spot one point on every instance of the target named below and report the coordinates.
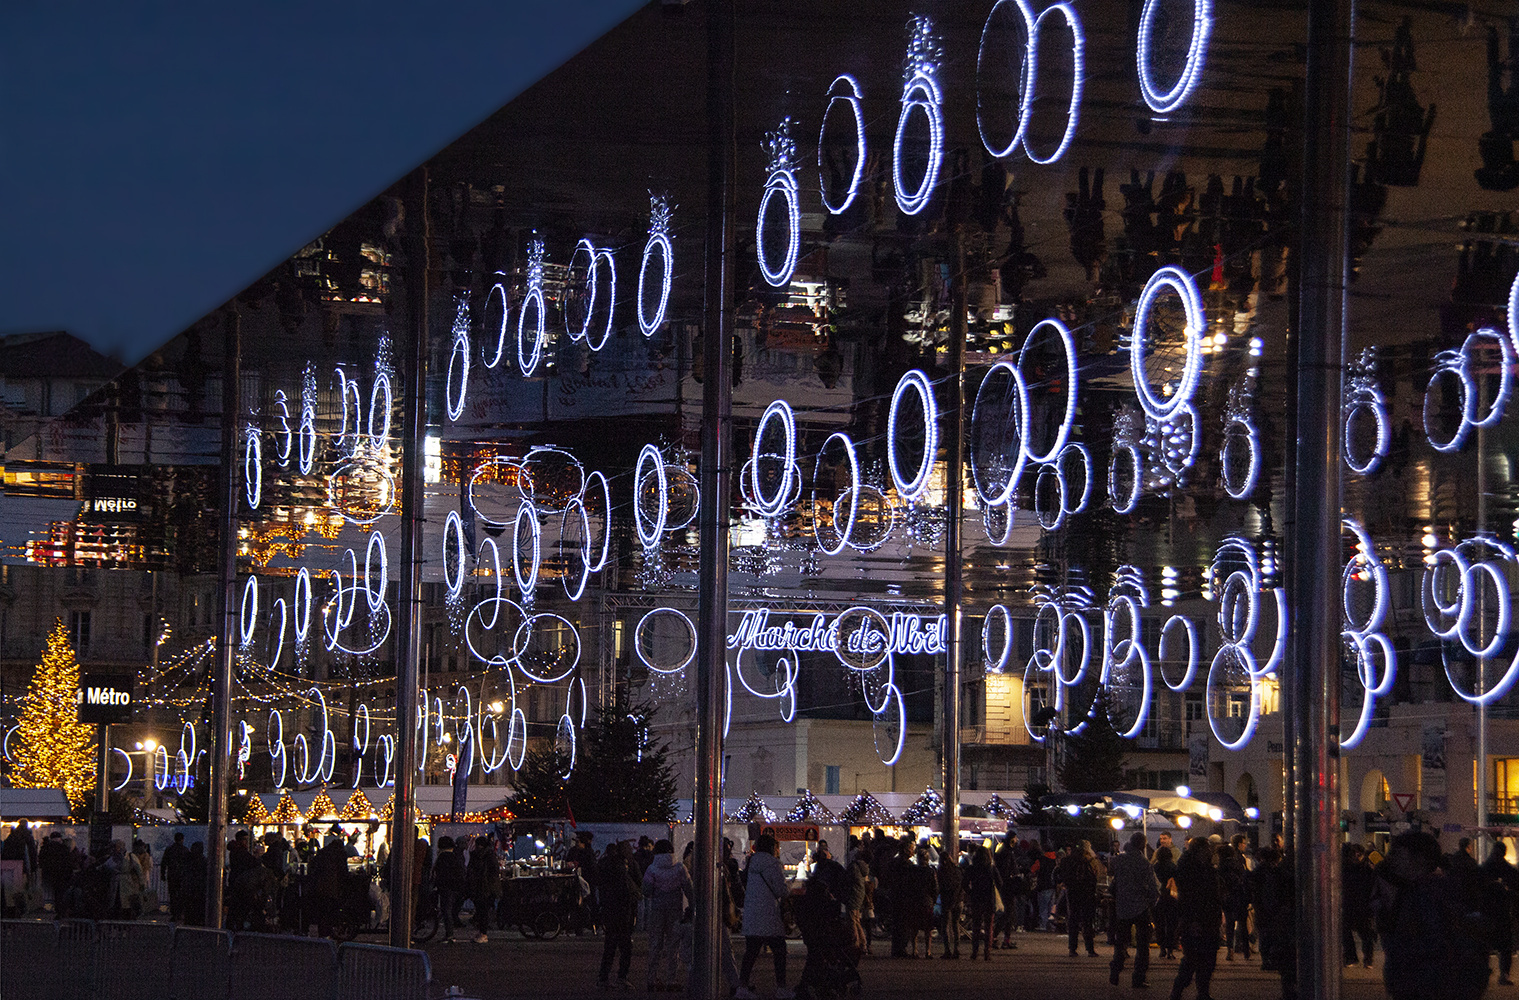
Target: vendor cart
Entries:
(541, 905)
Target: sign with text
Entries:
(105, 699)
(865, 632)
(785, 831)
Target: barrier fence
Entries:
(117, 960)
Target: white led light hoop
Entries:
(527, 582)
(912, 490)
(1365, 638)
(381, 402)
(1463, 365)
(864, 646)
(498, 290)
(781, 183)
(996, 662)
(1163, 102)
(599, 257)
(285, 442)
(521, 646)
(606, 520)
(776, 504)
(853, 492)
(1078, 70)
(660, 211)
(651, 533)
(453, 531)
(302, 601)
(850, 95)
(999, 434)
(1182, 284)
(458, 363)
(641, 641)
(374, 594)
(1239, 432)
(1124, 502)
(1192, 652)
(1072, 375)
(253, 466)
(1025, 82)
(248, 617)
(920, 92)
(528, 357)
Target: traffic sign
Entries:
(1403, 800)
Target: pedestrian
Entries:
(1200, 906)
(1016, 892)
(450, 881)
(195, 885)
(21, 846)
(140, 867)
(1357, 882)
(1235, 876)
(762, 924)
(1500, 884)
(1043, 870)
(329, 876)
(1080, 872)
(951, 882)
(1135, 893)
(667, 884)
(1433, 946)
(857, 893)
(483, 880)
(172, 868)
(583, 857)
(1275, 919)
(619, 894)
(56, 863)
(983, 890)
(1165, 910)
(918, 894)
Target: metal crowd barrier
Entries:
(119, 960)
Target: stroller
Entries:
(833, 954)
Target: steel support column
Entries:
(954, 458)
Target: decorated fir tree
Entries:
(52, 749)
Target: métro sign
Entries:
(105, 699)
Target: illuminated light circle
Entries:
(1072, 369)
(1217, 679)
(598, 256)
(1239, 433)
(1038, 669)
(911, 490)
(1364, 562)
(477, 626)
(685, 637)
(774, 505)
(1513, 314)
(1431, 588)
(456, 385)
(659, 240)
(606, 519)
(862, 646)
(453, 558)
(277, 635)
(583, 576)
(579, 333)
(128, 758)
(1124, 501)
(564, 734)
(1182, 284)
(1073, 112)
(569, 698)
(782, 678)
(650, 530)
(1368, 403)
(162, 771)
(1051, 516)
(999, 434)
(998, 522)
(870, 678)
(788, 698)
(497, 290)
(891, 737)
(248, 616)
(493, 512)
(375, 594)
(381, 403)
(333, 625)
(527, 359)
(852, 491)
(253, 466)
(1085, 661)
(1025, 83)
(1365, 649)
(996, 662)
(527, 582)
(286, 439)
(1165, 101)
(523, 651)
(851, 97)
(781, 183)
(358, 509)
(387, 747)
(1079, 451)
(276, 746)
(876, 520)
(307, 459)
(518, 724)
(1463, 366)
(1130, 660)
(920, 94)
(302, 601)
(1192, 652)
(360, 746)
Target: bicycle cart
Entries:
(540, 906)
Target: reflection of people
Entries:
(667, 883)
(1400, 128)
(762, 924)
(1499, 172)
(1135, 893)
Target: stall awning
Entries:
(33, 803)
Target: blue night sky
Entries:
(156, 157)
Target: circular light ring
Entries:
(583, 577)
(333, 626)
(458, 371)
(783, 678)
(277, 635)
(527, 583)
(128, 758)
(989, 489)
(285, 441)
(1471, 589)
(655, 530)
(781, 183)
(527, 360)
(162, 772)
(569, 700)
(1366, 562)
(1025, 83)
(1193, 649)
(1072, 374)
(894, 703)
(1513, 314)
(253, 466)
(589, 249)
(921, 93)
(867, 678)
(381, 402)
(996, 663)
(375, 595)
(1365, 648)
(1039, 663)
(888, 511)
(566, 731)
(787, 697)
(302, 601)
(998, 534)
(846, 638)
(1124, 503)
(1120, 605)
(517, 725)
(1163, 102)
(1085, 631)
(1051, 519)
(775, 506)
(1468, 408)
(524, 486)
(1430, 597)
(1252, 719)
(1238, 589)
(248, 616)
(1131, 652)
(464, 728)
(649, 325)
(1182, 284)
(1499, 402)
(606, 520)
(519, 646)
(307, 458)
(1078, 64)
(851, 98)
(1369, 400)
(1080, 451)
(387, 747)
(276, 747)
(1239, 430)
(498, 289)
(453, 531)
(604, 256)
(853, 492)
(911, 490)
(638, 641)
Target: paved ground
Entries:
(508, 967)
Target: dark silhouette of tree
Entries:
(620, 774)
(1093, 761)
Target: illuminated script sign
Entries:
(904, 634)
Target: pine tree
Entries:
(1094, 760)
(52, 748)
(620, 775)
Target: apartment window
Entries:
(1239, 705)
(1194, 707)
(79, 631)
(831, 779)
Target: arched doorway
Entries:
(1375, 793)
(1245, 792)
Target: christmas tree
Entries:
(52, 748)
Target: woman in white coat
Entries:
(763, 924)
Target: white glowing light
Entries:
(1192, 651)
(996, 662)
(598, 257)
(1364, 400)
(497, 290)
(1239, 432)
(253, 466)
(302, 600)
(1025, 81)
(1072, 368)
(583, 576)
(486, 474)
(650, 530)
(527, 582)
(566, 733)
(920, 92)
(456, 385)
(781, 183)
(1128, 669)
(278, 634)
(381, 403)
(660, 211)
(999, 437)
(360, 745)
(1125, 502)
(775, 505)
(911, 490)
(562, 663)
(128, 758)
(606, 520)
(1162, 409)
(1219, 675)
(851, 97)
(852, 491)
(897, 705)
(1165, 101)
(387, 747)
(1078, 64)
(1476, 562)
(285, 441)
(530, 343)
(688, 634)
(1463, 366)
(307, 458)
(1513, 314)
(453, 561)
(334, 623)
(276, 747)
(248, 616)
(375, 593)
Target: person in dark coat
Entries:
(1275, 920)
(951, 901)
(329, 875)
(195, 886)
(1235, 876)
(1357, 880)
(1165, 910)
(916, 907)
(483, 879)
(56, 862)
(983, 882)
(1500, 883)
(21, 846)
(1079, 872)
(1200, 913)
(619, 892)
(1016, 892)
(1135, 892)
(448, 879)
(1433, 945)
(172, 869)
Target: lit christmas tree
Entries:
(866, 810)
(924, 809)
(810, 809)
(52, 748)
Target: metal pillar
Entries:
(1313, 681)
(408, 649)
(226, 640)
(954, 502)
(716, 459)
(102, 783)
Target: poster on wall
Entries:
(1197, 759)
(1432, 767)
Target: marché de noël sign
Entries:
(906, 634)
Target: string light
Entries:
(497, 290)
(1239, 431)
(650, 530)
(911, 490)
(307, 458)
(453, 562)
(920, 92)
(302, 601)
(1025, 79)
(458, 362)
(527, 359)
(641, 640)
(781, 149)
(1163, 102)
(248, 614)
(555, 660)
(596, 256)
(660, 212)
(774, 506)
(851, 97)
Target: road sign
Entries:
(1403, 800)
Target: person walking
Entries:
(195, 885)
(57, 864)
(983, 886)
(1200, 910)
(171, 870)
(1433, 947)
(1135, 893)
(1164, 863)
(1500, 883)
(1042, 868)
(619, 894)
(450, 881)
(483, 877)
(1235, 876)
(762, 923)
(951, 881)
(1357, 882)
(667, 884)
(1080, 872)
